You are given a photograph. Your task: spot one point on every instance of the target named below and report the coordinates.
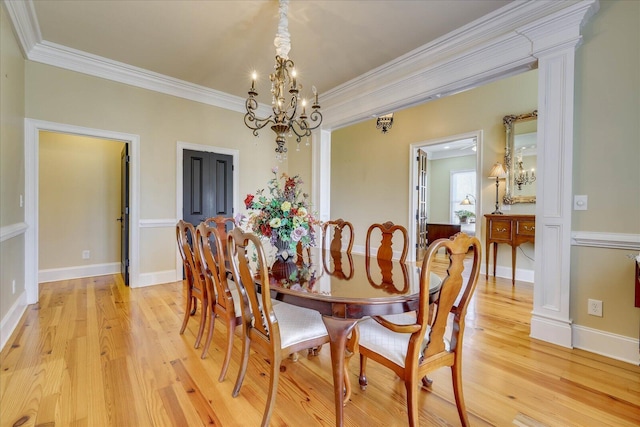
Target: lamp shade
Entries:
(497, 171)
(467, 200)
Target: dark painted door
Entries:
(207, 185)
(124, 214)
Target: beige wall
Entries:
(607, 164)
(161, 121)
(12, 107)
(79, 200)
(376, 165)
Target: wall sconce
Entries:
(498, 172)
(385, 122)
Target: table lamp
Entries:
(497, 172)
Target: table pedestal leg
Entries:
(338, 330)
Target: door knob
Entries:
(119, 219)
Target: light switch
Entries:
(580, 203)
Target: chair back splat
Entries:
(385, 250)
(339, 226)
(414, 344)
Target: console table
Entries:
(438, 231)
(513, 230)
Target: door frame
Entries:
(180, 147)
(32, 128)
(413, 182)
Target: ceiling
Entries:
(218, 43)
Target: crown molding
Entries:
(25, 23)
(86, 63)
(497, 45)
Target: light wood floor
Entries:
(95, 353)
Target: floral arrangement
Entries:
(282, 215)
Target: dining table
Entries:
(345, 289)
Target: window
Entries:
(463, 182)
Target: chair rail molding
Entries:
(10, 231)
(606, 240)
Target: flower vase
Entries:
(284, 263)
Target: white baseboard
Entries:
(554, 331)
(55, 274)
(607, 344)
(12, 318)
(157, 278)
(521, 274)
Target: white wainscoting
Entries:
(594, 340)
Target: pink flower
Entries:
(298, 234)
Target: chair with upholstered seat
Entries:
(274, 330)
(194, 280)
(226, 303)
(387, 232)
(413, 345)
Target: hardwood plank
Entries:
(96, 353)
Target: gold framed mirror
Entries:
(520, 158)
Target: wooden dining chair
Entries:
(385, 250)
(194, 279)
(226, 303)
(432, 338)
(338, 226)
(274, 330)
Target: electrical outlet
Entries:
(13, 286)
(86, 254)
(594, 307)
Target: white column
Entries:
(554, 43)
(321, 171)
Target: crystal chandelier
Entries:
(286, 118)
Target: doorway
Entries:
(181, 147)
(32, 138)
(435, 165)
(207, 186)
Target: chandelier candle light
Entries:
(285, 91)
